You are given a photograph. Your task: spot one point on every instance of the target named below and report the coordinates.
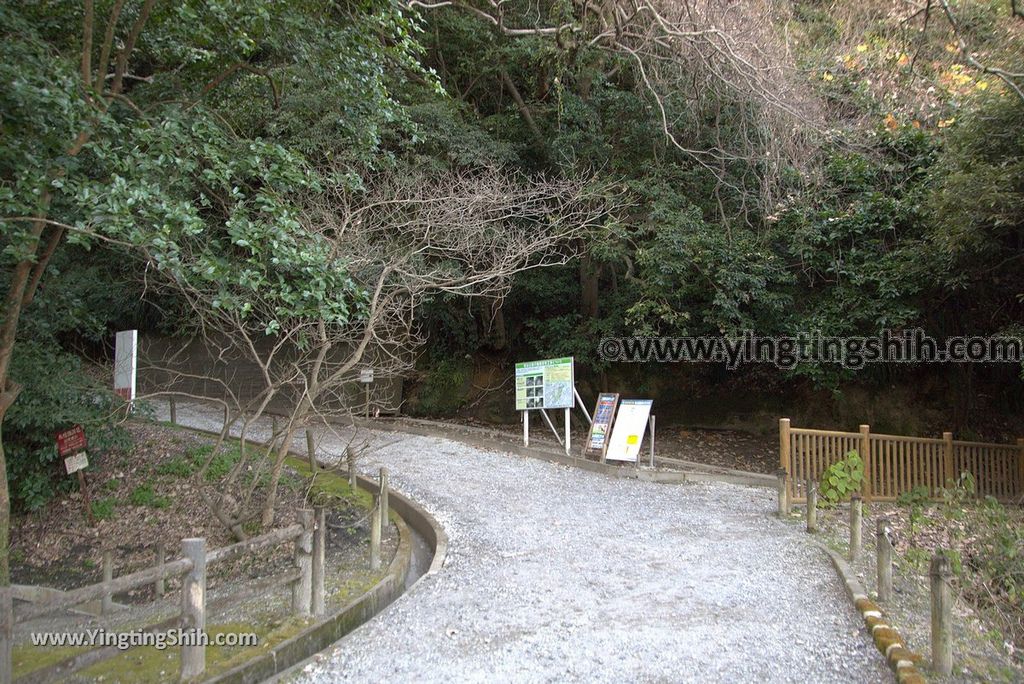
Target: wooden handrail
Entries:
(148, 576)
(985, 445)
(907, 438)
(824, 433)
(95, 591)
(272, 538)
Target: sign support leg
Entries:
(526, 428)
(567, 437)
(85, 497)
(651, 420)
(582, 406)
(554, 431)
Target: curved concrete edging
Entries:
(887, 640)
(494, 439)
(296, 650)
(330, 629)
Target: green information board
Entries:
(544, 384)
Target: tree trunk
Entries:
(298, 417)
(6, 612)
(589, 275)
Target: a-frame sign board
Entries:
(601, 427)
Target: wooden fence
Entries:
(306, 579)
(894, 464)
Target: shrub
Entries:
(442, 391)
(57, 394)
(841, 479)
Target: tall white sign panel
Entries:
(628, 431)
(125, 363)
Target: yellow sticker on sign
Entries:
(632, 439)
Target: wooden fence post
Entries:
(193, 610)
(173, 405)
(319, 552)
(812, 506)
(302, 589)
(856, 517)
(350, 457)
(6, 634)
(884, 561)
(868, 486)
(375, 534)
(383, 500)
(1020, 466)
(107, 602)
(784, 453)
(942, 603)
(948, 467)
(161, 557)
(783, 487)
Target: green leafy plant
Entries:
(179, 466)
(958, 495)
(915, 499)
(918, 496)
(222, 462)
(143, 495)
(103, 509)
(841, 479)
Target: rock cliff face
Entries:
(199, 368)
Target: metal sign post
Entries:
(366, 377)
(651, 421)
(126, 345)
(567, 437)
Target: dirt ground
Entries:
(721, 448)
(987, 646)
(151, 493)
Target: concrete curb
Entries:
(325, 632)
(294, 652)
(887, 640)
(499, 441)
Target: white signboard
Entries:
(125, 363)
(628, 431)
(366, 375)
(546, 384)
(77, 462)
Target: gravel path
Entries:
(557, 574)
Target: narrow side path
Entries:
(558, 574)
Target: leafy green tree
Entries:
(123, 125)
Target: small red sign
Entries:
(71, 440)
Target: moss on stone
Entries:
(910, 675)
(867, 605)
(873, 621)
(885, 637)
(144, 664)
(28, 658)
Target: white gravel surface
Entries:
(556, 574)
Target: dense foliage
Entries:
(885, 193)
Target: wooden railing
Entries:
(306, 579)
(894, 464)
